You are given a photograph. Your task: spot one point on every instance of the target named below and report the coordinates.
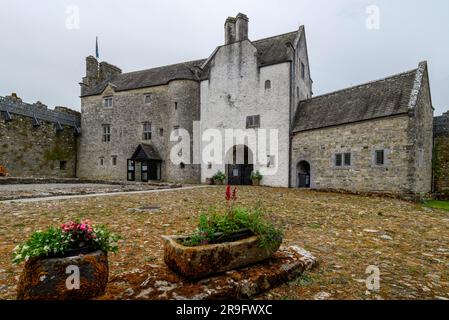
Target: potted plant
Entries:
(219, 178)
(223, 242)
(256, 177)
(69, 262)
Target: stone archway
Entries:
(239, 165)
(303, 174)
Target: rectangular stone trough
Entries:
(203, 261)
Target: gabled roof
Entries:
(148, 78)
(145, 152)
(383, 98)
(272, 50)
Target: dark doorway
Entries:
(147, 162)
(303, 169)
(240, 166)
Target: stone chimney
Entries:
(242, 27)
(91, 71)
(230, 30)
(107, 71)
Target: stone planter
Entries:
(256, 183)
(199, 262)
(218, 182)
(52, 278)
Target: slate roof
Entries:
(382, 98)
(145, 152)
(148, 78)
(274, 50)
(441, 125)
(271, 50)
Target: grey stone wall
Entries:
(126, 117)
(36, 152)
(421, 135)
(441, 156)
(318, 147)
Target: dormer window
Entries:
(108, 102)
(267, 85)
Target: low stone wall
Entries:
(441, 167)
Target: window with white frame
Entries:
(108, 102)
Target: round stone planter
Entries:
(57, 278)
(256, 183)
(195, 263)
(218, 182)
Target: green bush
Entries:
(219, 176)
(256, 176)
(71, 235)
(235, 220)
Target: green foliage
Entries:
(219, 176)
(235, 220)
(256, 176)
(443, 205)
(56, 241)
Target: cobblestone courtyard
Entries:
(407, 242)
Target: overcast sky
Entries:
(43, 49)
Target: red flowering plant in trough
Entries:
(237, 222)
(71, 237)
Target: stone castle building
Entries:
(441, 156)
(36, 141)
(375, 137)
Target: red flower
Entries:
(228, 193)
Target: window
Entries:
(108, 102)
(338, 160)
(176, 106)
(182, 165)
(267, 85)
(161, 132)
(270, 161)
(101, 161)
(303, 71)
(62, 165)
(106, 133)
(147, 98)
(114, 160)
(147, 130)
(343, 159)
(176, 129)
(209, 165)
(379, 157)
(347, 157)
(253, 122)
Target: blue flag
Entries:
(96, 49)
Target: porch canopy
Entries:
(150, 160)
(145, 152)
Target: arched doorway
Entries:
(303, 170)
(239, 165)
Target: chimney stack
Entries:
(242, 27)
(91, 71)
(230, 30)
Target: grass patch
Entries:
(435, 204)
